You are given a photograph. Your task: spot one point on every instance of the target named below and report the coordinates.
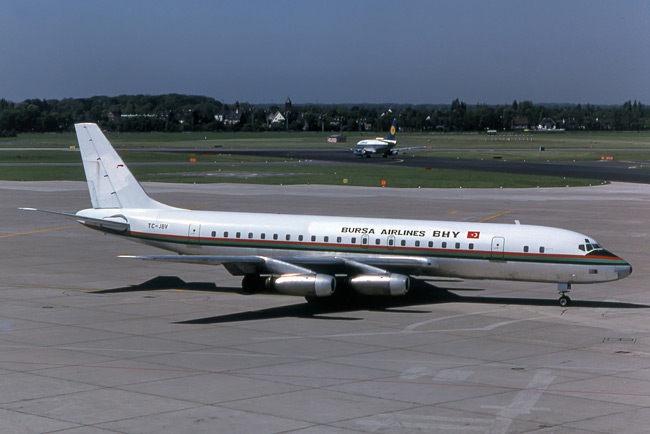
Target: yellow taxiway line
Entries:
(494, 216)
(41, 230)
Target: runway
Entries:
(602, 170)
(612, 171)
(91, 343)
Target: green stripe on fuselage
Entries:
(382, 250)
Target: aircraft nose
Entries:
(623, 271)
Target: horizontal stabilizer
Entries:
(120, 226)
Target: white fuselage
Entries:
(452, 249)
(374, 146)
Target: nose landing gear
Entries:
(563, 289)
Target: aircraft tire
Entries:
(564, 300)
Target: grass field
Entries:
(569, 146)
(588, 142)
(329, 175)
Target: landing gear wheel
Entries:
(564, 300)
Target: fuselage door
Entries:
(498, 244)
(365, 240)
(391, 241)
(194, 232)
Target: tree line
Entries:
(177, 113)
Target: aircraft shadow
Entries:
(171, 282)
(423, 292)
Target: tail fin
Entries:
(110, 182)
(393, 130)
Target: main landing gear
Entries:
(563, 289)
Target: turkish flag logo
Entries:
(473, 235)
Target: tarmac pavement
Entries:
(91, 343)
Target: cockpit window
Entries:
(589, 247)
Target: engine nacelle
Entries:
(305, 285)
(380, 284)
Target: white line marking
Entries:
(523, 402)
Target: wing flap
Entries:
(242, 265)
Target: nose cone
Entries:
(623, 270)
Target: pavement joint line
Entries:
(362, 380)
(205, 352)
(39, 231)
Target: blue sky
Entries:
(353, 51)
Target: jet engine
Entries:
(306, 285)
(380, 284)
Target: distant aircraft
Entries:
(385, 146)
(304, 254)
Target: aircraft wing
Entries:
(406, 149)
(115, 225)
(242, 265)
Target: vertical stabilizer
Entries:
(393, 130)
(110, 182)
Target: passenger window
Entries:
(313, 238)
(238, 234)
(390, 242)
(250, 235)
(430, 243)
(288, 237)
(354, 240)
(525, 249)
(300, 238)
(275, 236)
(471, 246)
(444, 245)
(377, 241)
(541, 250)
(417, 243)
(338, 240)
(214, 234)
(458, 245)
(403, 242)
(225, 234)
(263, 236)
(326, 239)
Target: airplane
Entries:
(384, 146)
(303, 255)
